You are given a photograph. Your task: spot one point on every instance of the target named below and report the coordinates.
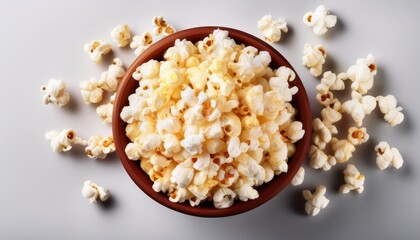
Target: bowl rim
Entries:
(268, 190)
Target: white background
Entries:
(40, 190)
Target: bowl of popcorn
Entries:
(211, 121)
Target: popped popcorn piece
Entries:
(315, 201)
(362, 74)
(298, 178)
(99, 147)
(93, 191)
(359, 106)
(105, 111)
(110, 79)
(193, 143)
(357, 136)
(91, 91)
(319, 159)
(62, 141)
(331, 81)
(388, 106)
(332, 113)
(246, 192)
(223, 198)
(322, 133)
(343, 149)
(387, 156)
(96, 49)
(121, 35)
(55, 92)
(314, 58)
(320, 20)
(161, 27)
(271, 29)
(141, 43)
(354, 180)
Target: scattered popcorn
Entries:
(320, 20)
(315, 201)
(91, 91)
(93, 191)
(271, 29)
(387, 156)
(205, 127)
(99, 147)
(362, 74)
(314, 58)
(354, 180)
(162, 28)
(330, 81)
(141, 43)
(55, 92)
(62, 141)
(332, 113)
(96, 49)
(322, 133)
(388, 106)
(110, 79)
(105, 111)
(359, 106)
(319, 159)
(298, 178)
(121, 35)
(357, 136)
(343, 149)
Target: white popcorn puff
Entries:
(343, 149)
(62, 141)
(161, 27)
(183, 174)
(110, 79)
(354, 180)
(223, 198)
(295, 132)
(93, 191)
(105, 111)
(322, 133)
(298, 178)
(193, 143)
(121, 35)
(320, 20)
(148, 70)
(320, 160)
(362, 74)
(388, 106)
(96, 49)
(55, 92)
(91, 91)
(387, 156)
(314, 58)
(357, 136)
(246, 192)
(331, 81)
(332, 113)
(141, 43)
(271, 29)
(359, 106)
(315, 201)
(99, 147)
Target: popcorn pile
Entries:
(326, 149)
(212, 121)
(92, 91)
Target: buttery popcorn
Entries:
(121, 35)
(320, 20)
(99, 147)
(387, 156)
(354, 180)
(96, 49)
(161, 27)
(111, 78)
(62, 141)
(315, 201)
(55, 92)
(271, 29)
(105, 111)
(314, 58)
(141, 43)
(392, 113)
(212, 121)
(91, 91)
(93, 192)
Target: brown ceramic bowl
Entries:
(267, 190)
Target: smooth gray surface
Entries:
(40, 190)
